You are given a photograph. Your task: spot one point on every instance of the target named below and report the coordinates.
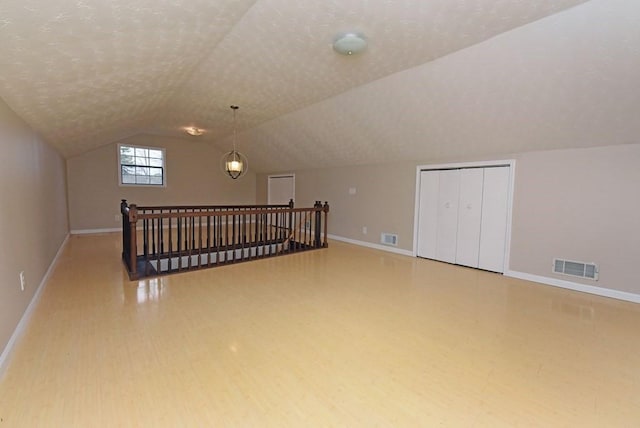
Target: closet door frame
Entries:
(511, 163)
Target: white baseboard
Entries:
(600, 291)
(370, 245)
(92, 231)
(4, 358)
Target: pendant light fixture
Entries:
(234, 163)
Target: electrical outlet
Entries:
(23, 283)
(117, 218)
(364, 230)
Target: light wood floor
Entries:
(342, 337)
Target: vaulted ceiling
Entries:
(86, 73)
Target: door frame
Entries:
(269, 177)
(511, 163)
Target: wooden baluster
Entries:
(158, 253)
(318, 222)
(217, 221)
(241, 235)
(185, 222)
(301, 229)
(153, 236)
(283, 216)
(275, 230)
(257, 230)
(263, 236)
(287, 222)
(214, 229)
(179, 252)
(200, 239)
(220, 232)
(226, 237)
(161, 232)
(145, 240)
(238, 237)
(265, 228)
(170, 232)
(208, 240)
(267, 232)
(270, 232)
(244, 235)
(296, 231)
(280, 221)
(253, 231)
(290, 231)
(189, 247)
(307, 229)
(193, 230)
(233, 237)
(277, 227)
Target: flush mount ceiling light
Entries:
(234, 163)
(349, 43)
(192, 130)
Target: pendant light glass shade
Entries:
(234, 163)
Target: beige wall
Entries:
(33, 215)
(383, 201)
(578, 204)
(193, 177)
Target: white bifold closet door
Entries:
(469, 217)
(428, 214)
(447, 229)
(495, 200)
(463, 216)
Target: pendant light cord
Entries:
(235, 128)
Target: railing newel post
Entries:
(133, 255)
(317, 206)
(326, 222)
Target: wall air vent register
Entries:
(578, 269)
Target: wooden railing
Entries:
(168, 239)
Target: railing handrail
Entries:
(214, 233)
(223, 213)
(215, 207)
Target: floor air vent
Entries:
(389, 239)
(573, 268)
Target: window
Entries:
(141, 166)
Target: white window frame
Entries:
(164, 166)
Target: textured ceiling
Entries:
(86, 73)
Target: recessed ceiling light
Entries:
(192, 130)
(349, 43)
